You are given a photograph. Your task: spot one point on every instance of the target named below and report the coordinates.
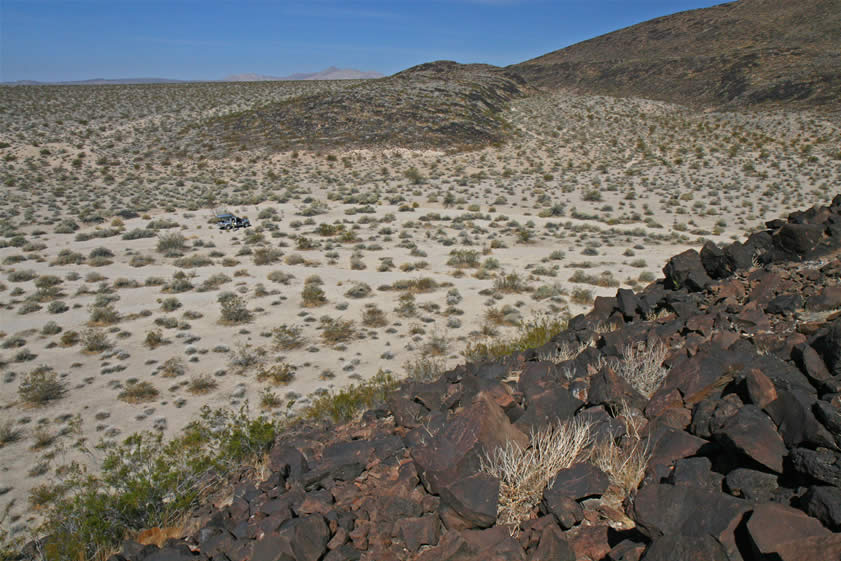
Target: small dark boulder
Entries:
(753, 433)
(686, 270)
(822, 464)
(824, 503)
(474, 498)
(774, 528)
(686, 548)
(799, 239)
(754, 486)
(784, 304)
(828, 298)
(578, 481)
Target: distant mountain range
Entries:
(331, 73)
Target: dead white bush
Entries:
(642, 365)
(564, 352)
(624, 461)
(524, 474)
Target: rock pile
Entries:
(741, 432)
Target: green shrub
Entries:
(146, 482)
(287, 337)
(234, 309)
(41, 386)
(172, 244)
(342, 406)
(531, 334)
(337, 330)
(138, 392)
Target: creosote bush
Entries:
(41, 386)
(233, 308)
(531, 334)
(344, 405)
(146, 482)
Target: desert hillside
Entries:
(747, 53)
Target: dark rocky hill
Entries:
(436, 105)
(740, 436)
(744, 53)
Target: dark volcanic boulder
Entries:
(752, 485)
(685, 548)
(829, 298)
(474, 498)
(455, 452)
(822, 464)
(686, 270)
(824, 503)
(778, 529)
(753, 433)
(578, 481)
(799, 238)
(827, 343)
(668, 510)
(715, 261)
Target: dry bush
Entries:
(41, 386)
(138, 392)
(201, 384)
(642, 366)
(524, 474)
(624, 461)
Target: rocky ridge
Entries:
(742, 436)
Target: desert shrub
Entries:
(337, 330)
(41, 386)
(154, 338)
(463, 258)
(372, 316)
(28, 307)
(213, 282)
(246, 356)
(138, 392)
(193, 261)
(424, 368)
(358, 290)
(50, 328)
(170, 304)
(202, 384)
(68, 257)
(278, 374)
(21, 276)
(69, 338)
(344, 405)
(287, 337)
(269, 399)
(581, 296)
(509, 282)
(139, 233)
(172, 244)
(312, 295)
(642, 365)
(524, 473)
(141, 260)
(162, 224)
(146, 482)
(280, 277)
(103, 315)
(531, 334)
(100, 252)
(8, 434)
(266, 255)
(173, 367)
(234, 309)
(93, 340)
(180, 283)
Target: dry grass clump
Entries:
(201, 384)
(337, 330)
(279, 374)
(138, 392)
(173, 367)
(8, 433)
(642, 365)
(624, 461)
(524, 474)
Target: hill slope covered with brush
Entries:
(745, 53)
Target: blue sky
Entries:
(54, 40)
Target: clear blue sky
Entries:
(54, 40)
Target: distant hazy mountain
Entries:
(96, 82)
(331, 73)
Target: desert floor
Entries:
(356, 261)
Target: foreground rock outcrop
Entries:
(742, 435)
